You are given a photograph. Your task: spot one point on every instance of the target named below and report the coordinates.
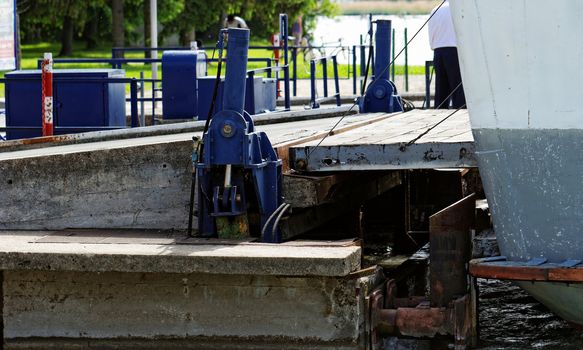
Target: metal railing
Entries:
(116, 63)
(251, 74)
(314, 101)
(294, 50)
(428, 78)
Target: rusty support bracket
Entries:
(450, 251)
(420, 320)
(452, 305)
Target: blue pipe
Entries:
(236, 71)
(383, 49)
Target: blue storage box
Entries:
(180, 70)
(260, 95)
(76, 104)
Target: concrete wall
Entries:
(138, 186)
(76, 310)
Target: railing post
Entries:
(354, 70)
(134, 102)
(428, 84)
(47, 94)
(393, 56)
(336, 83)
(362, 57)
(406, 63)
(142, 112)
(370, 38)
(325, 76)
(284, 28)
(295, 69)
(313, 84)
(287, 100)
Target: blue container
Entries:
(205, 96)
(179, 83)
(76, 104)
(264, 95)
(260, 95)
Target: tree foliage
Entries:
(91, 20)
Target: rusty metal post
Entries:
(450, 251)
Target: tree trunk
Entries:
(18, 41)
(147, 28)
(187, 36)
(117, 31)
(67, 37)
(91, 32)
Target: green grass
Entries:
(32, 52)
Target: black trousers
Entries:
(447, 78)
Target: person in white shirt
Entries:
(443, 42)
(233, 21)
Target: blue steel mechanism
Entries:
(239, 174)
(381, 95)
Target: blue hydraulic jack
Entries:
(239, 174)
(381, 95)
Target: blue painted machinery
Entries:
(187, 91)
(238, 173)
(381, 95)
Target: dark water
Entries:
(511, 319)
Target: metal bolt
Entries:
(227, 129)
(301, 164)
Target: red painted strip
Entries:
(47, 94)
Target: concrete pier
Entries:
(162, 292)
(93, 254)
(113, 181)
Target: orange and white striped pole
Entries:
(47, 94)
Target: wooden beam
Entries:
(303, 191)
(419, 139)
(516, 271)
(344, 199)
(283, 149)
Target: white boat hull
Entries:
(521, 69)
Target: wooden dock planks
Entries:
(419, 139)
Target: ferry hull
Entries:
(563, 299)
(533, 180)
(522, 79)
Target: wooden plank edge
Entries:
(526, 273)
(282, 149)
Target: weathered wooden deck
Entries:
(420, 139)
